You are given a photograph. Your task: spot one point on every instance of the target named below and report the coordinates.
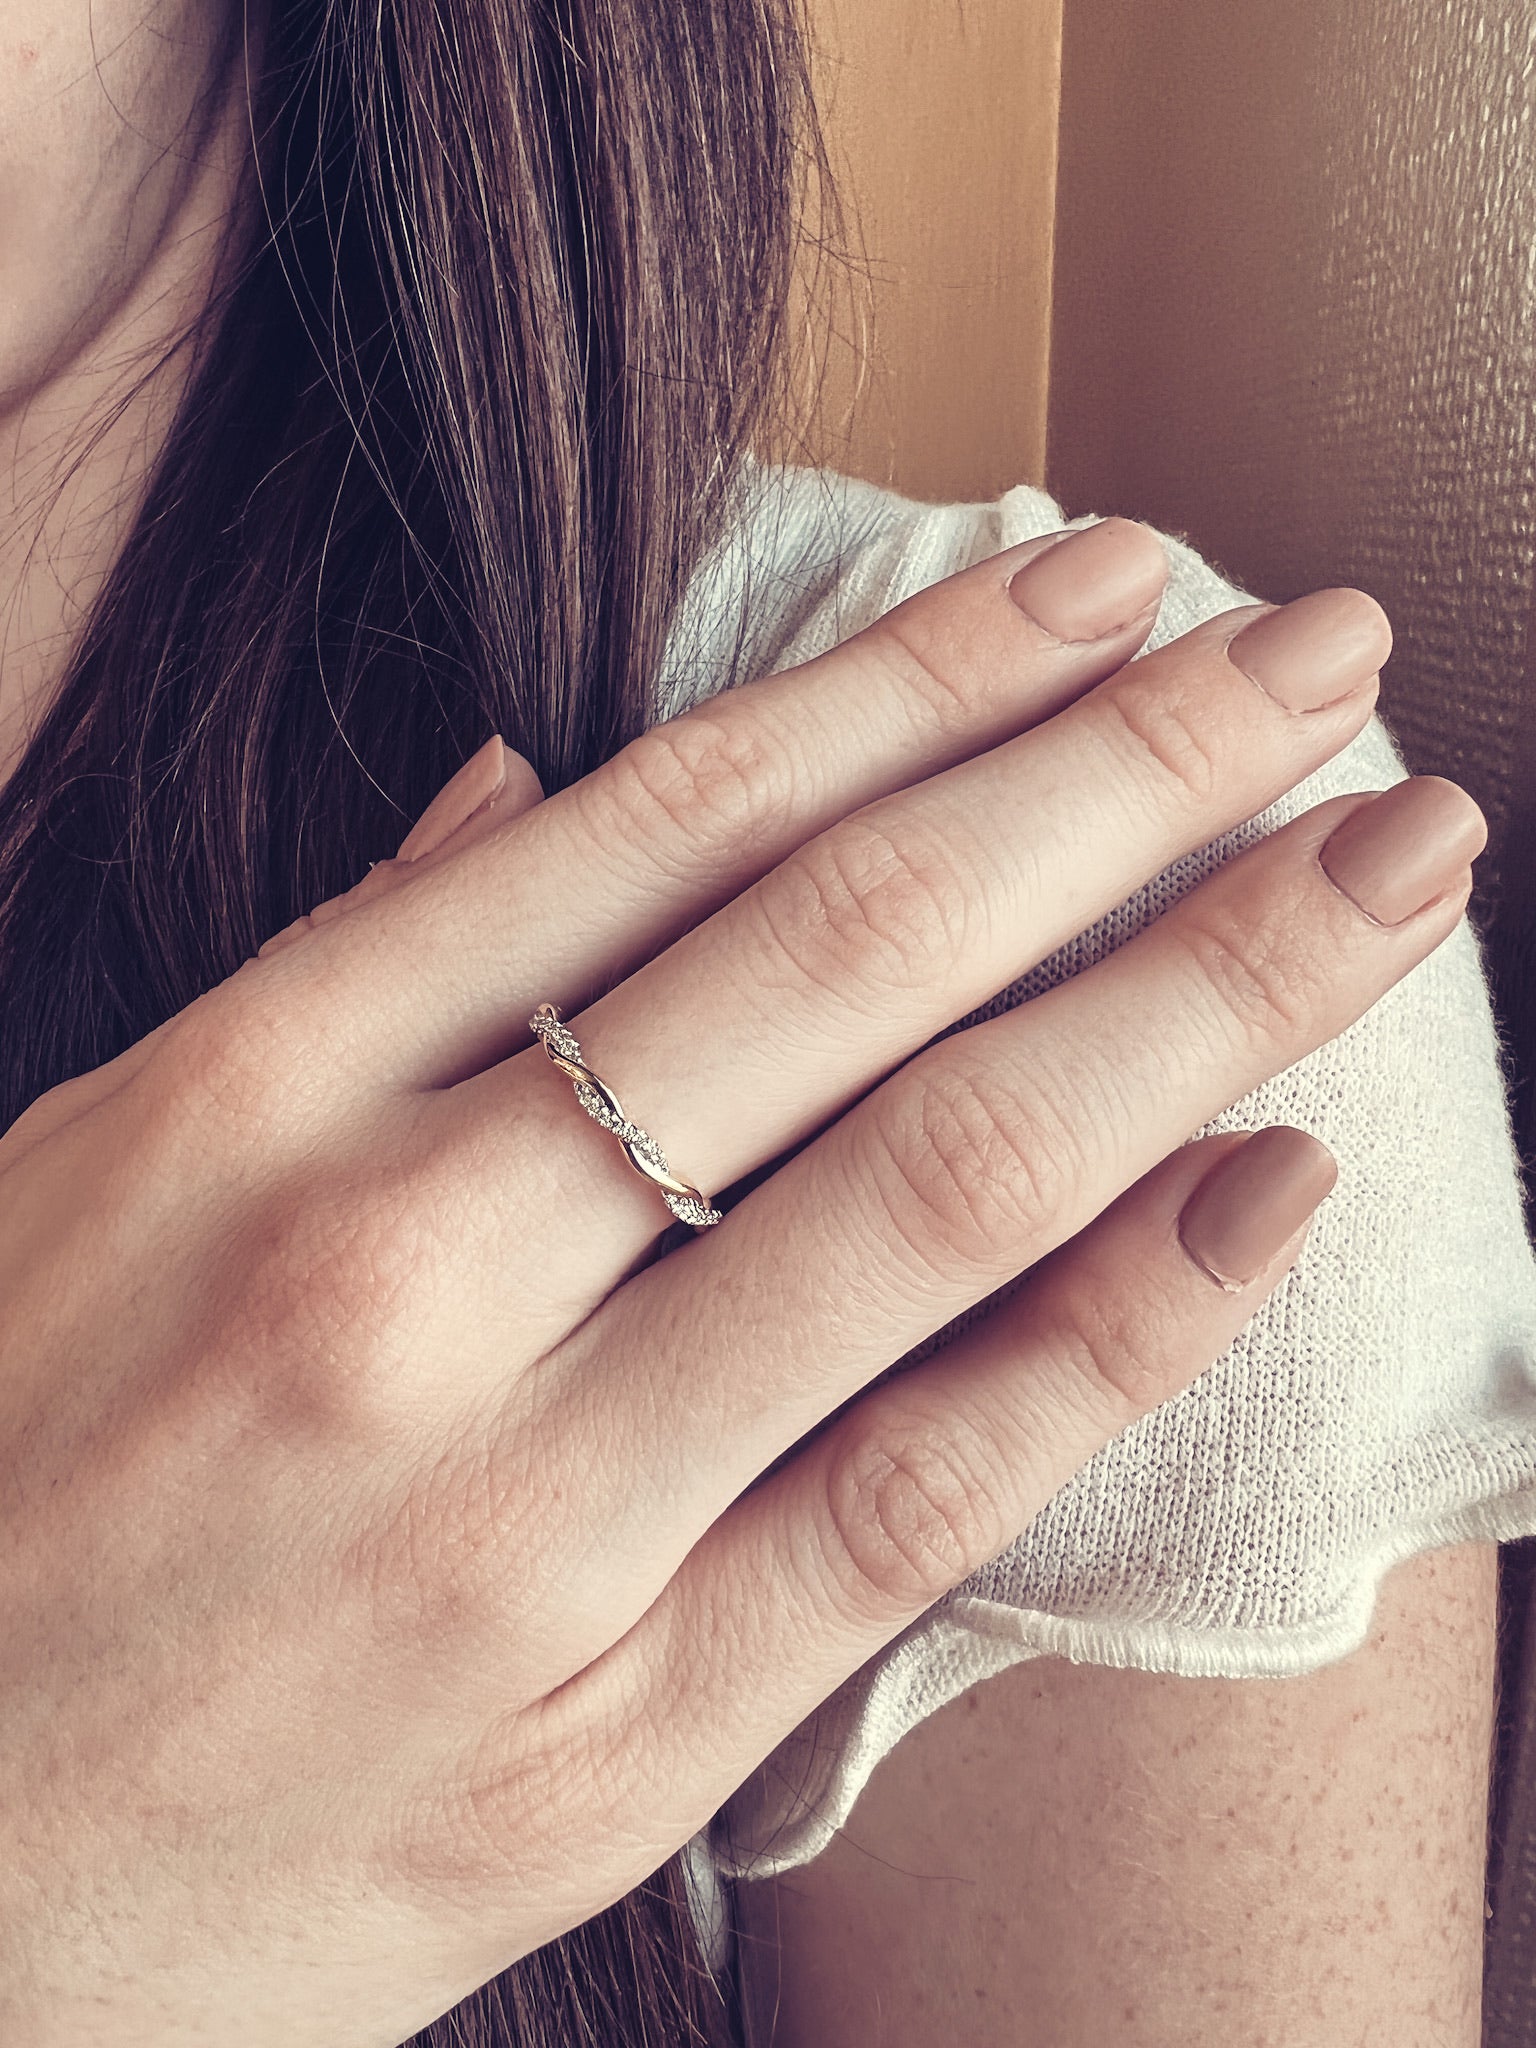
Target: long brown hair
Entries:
(465, 417)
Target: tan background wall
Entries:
(941, 123)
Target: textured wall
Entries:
(1293, 318)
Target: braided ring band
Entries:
(604, 1107)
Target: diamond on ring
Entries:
(603, 1106)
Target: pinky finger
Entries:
(494, 784)
(931, 1474)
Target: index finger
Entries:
(606, 873)
(716, 796)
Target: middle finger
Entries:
(756, 1027)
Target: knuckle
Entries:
(1259, 978)
(257, 1056)
(581, 1755)
(903, 644)
(858, 909)
(1158, 730)
(221, 1072)
(500, 1818)
(969, 1176)
(1113, 1351)
(316, 1296)
(710, 778)
(910, 1513)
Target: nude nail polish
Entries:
(1392, 857)
(1316, 650)
(482, 777)
(1252, 1203)
(1097, 579)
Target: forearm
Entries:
(1068, 1855)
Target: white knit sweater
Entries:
(1383, 1400)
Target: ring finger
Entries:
(752, 1030)
(990, 1149)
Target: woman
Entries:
(413, 1534)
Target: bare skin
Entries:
(121, 146)
(1067, 1856)
(201, 1671)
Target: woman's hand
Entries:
(385, 1588)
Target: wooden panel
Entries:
(941, 121)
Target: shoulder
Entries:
(811, 556)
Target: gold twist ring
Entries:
(604, 1107)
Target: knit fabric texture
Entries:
(1381, 1402)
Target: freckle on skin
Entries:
(26, 55)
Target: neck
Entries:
(78, 447)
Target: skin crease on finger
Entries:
(122, 136)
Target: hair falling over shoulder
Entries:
(467, 412)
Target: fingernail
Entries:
(479, 779)
(1316, 650)
(1094, 581)
(1252, 1203)
(1393, 856)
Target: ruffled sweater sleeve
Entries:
(1381, 1402)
